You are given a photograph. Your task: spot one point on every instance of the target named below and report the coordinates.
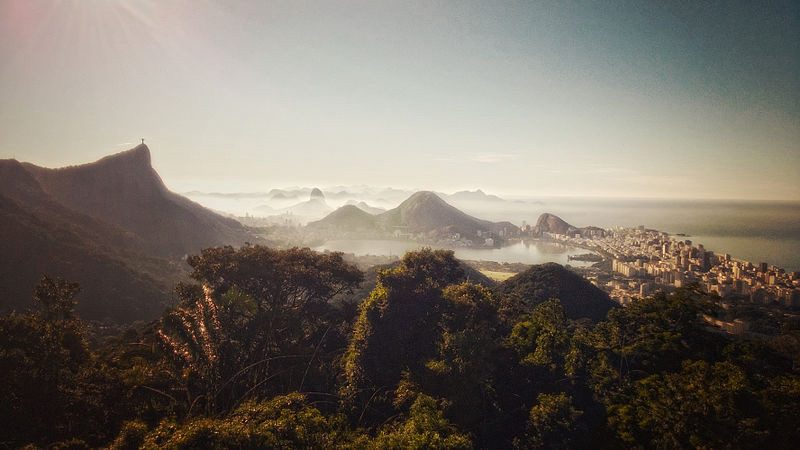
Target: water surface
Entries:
(528, 252)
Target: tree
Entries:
(285, 421)
(463, 368)
(55, 299)
(41, 356)
(425, 428)
(260, 324)
(652, 335)
(396, 330)
(542, 339)
(698, 407)
(552, 423)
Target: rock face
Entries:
(316, 193)
(550, 223)
(110, 225)
(580, 299)
(125, 190)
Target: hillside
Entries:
(360, 293)
(41, 236)
(124, 190)
(580, 299)
(111, 225)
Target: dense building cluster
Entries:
(645, 260)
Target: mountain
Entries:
(111, 225)
(316, 193)
(423, 212)
(472, 196)
(40, 236)
(550, 223)
(580, 299)
(312, 209)
(347, 218)
(124, 190)
(371, 281)
(426, 212)
(374, 210)
(309, 209)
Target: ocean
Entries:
(756, 231)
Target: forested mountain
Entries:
(256, 355)
(579, 298)
(111, 225)
(124, 190)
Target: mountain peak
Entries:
(139, 155)
(317, 193)
(424, 196)
(551, 223)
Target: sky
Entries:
(683, 99)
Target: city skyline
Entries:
(614, 100)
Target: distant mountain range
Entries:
(364, 206)
(423, 212)
(472, 196)
(111, 225)
(311, 209)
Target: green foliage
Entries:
(257, 356)
(650, 336)
(700, 407)
(425, 428)
(130, 437)
(396, 330)
(260, 325)
(282, 422)
(41, 358)
(542, 339)
(579, 298)
(551, 424)
(55, 299)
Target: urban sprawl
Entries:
(644, 261)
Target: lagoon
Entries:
(526, 252)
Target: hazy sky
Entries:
(664, 99)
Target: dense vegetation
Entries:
(257, 356)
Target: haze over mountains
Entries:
(297, 202)
(111, 225)
(114, 227)
(423, 212)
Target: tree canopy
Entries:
(258, 354)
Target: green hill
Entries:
(580, 299)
